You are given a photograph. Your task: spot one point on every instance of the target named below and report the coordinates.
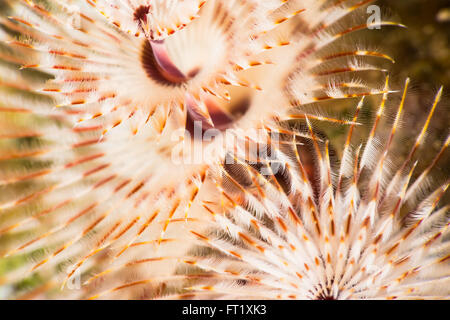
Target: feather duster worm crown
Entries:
(359, 229)
(91, 92)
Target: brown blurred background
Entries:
(422, 52)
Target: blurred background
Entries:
(421, 52)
